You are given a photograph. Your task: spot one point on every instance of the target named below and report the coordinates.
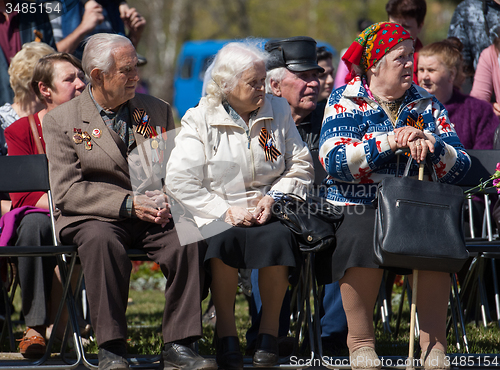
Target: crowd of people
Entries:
(271, 122)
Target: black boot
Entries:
(229, 356)
(266, 351)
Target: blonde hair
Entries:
(449, 51)
(21, 70)
(228, 66)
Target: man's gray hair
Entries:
(276, 74)
(98, 52)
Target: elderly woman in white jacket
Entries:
(237, 152)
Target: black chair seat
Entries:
(29, 173)
(36, 251)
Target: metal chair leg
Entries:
(483, 299)
(383, 304)
(7, 323)
(400, 308)
(456, 294)
(495, 287)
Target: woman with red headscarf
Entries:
(378, 112)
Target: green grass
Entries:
(145, 312)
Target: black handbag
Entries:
(419, 225)
(314, 221)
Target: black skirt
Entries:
(253, 247)
(354, 246)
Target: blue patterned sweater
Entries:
(355, 151)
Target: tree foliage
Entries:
(171, 22)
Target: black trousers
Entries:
(35, 273)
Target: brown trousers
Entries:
(102, 248)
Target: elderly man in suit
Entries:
(106, 149)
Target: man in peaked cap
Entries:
(293, 74)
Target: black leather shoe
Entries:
(176, 356)
(229, 356)
(111, 361)
(266, 351)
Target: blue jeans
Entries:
(333, 319)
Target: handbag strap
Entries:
(36, 136)
(428, 163)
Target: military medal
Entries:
(154, 144)
(77, 137)
(86, 138)
(96, 133)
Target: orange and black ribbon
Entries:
(141, 120)
(419, 124)
(266, 142)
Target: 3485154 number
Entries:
(33, 8)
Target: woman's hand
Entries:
(496, 109)
(414, 139)
(263, 213)
(159, 198)
(239, 216)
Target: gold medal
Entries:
(86, 136)
(154, 144)
(77, 138)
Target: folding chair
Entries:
(305, 304)
(26, 174)
(305, 309)
(481, 247)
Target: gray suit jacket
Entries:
(92, 184)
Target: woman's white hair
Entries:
(277, 75)
(228, 66)
(98, 52)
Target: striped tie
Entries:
(266, 142)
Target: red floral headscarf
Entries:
(372, 44)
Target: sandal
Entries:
(33, 346)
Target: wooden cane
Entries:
(413, 314)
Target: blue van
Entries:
(192, 62)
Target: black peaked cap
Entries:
(297, 54)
